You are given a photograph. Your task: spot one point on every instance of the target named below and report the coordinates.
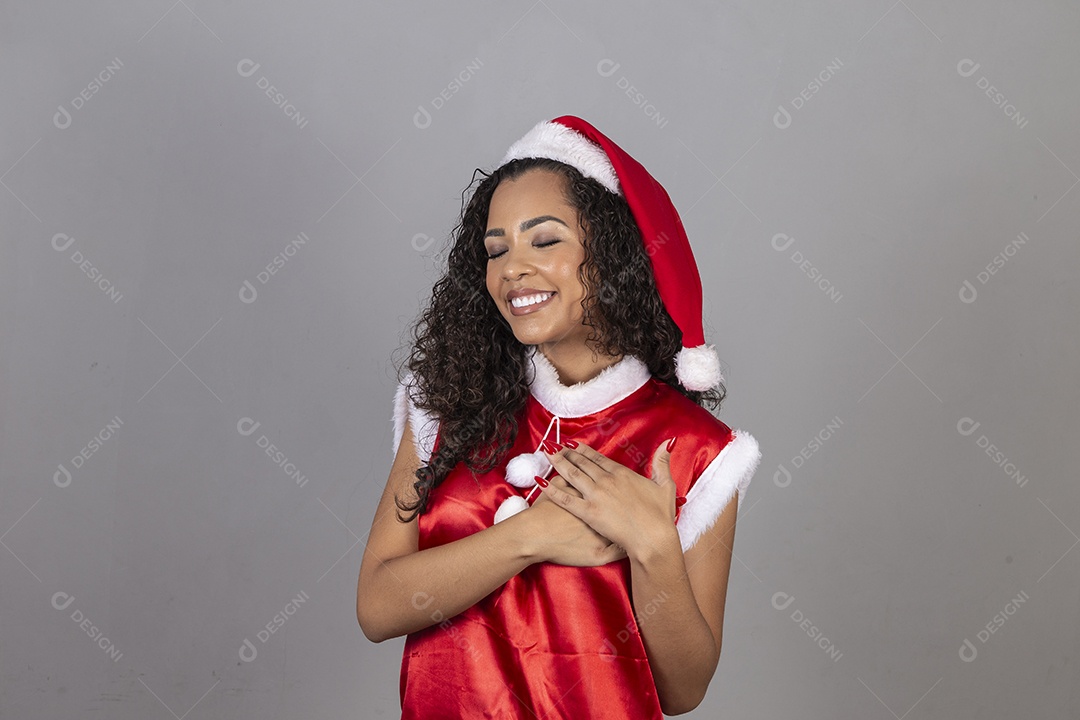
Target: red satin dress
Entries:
(557, 641)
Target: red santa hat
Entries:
(573, 141)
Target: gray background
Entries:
(878, 539)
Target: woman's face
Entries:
(534, 244)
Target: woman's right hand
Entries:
(563, 538)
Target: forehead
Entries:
(534, 190)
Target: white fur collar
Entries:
(614, 383)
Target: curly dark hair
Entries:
(469, 369)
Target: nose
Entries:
(516, 264)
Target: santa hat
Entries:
(573, 141)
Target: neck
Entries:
(576, 363)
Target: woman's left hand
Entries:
(618, 503)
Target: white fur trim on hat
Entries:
(552, 140)
(424, 426)
(729, 473)
(698, 368)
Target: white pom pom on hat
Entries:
(573, 141)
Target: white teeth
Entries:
(525, 301)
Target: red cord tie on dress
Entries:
(531, 468)
(528, 469)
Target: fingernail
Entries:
(570, 443)
(671, 443)
(541, 481)
(550, 447)
(679, 502)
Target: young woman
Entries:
(555, 535)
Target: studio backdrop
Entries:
(220, 220)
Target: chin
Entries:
(531, 338)
(527, 335)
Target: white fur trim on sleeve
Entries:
(728, 473)
(424, 426)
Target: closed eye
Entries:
(539, 244)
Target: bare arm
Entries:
(678, 597)
(679, 600)
(402, 589)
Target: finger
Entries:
(593, 456)
(560, 482)
(565, 499)
(576, 475)
(661, 465)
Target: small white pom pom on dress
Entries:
(521, 472)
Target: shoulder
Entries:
(683, 417)
(425, 425)
(687, 415)
(723, 460)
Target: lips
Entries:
(520, 292)
(534, 307)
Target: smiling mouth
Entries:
(531, 303)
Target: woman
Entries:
(561, 362)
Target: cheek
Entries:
(492, 284)
(570, 280)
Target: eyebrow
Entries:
(498, 232)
